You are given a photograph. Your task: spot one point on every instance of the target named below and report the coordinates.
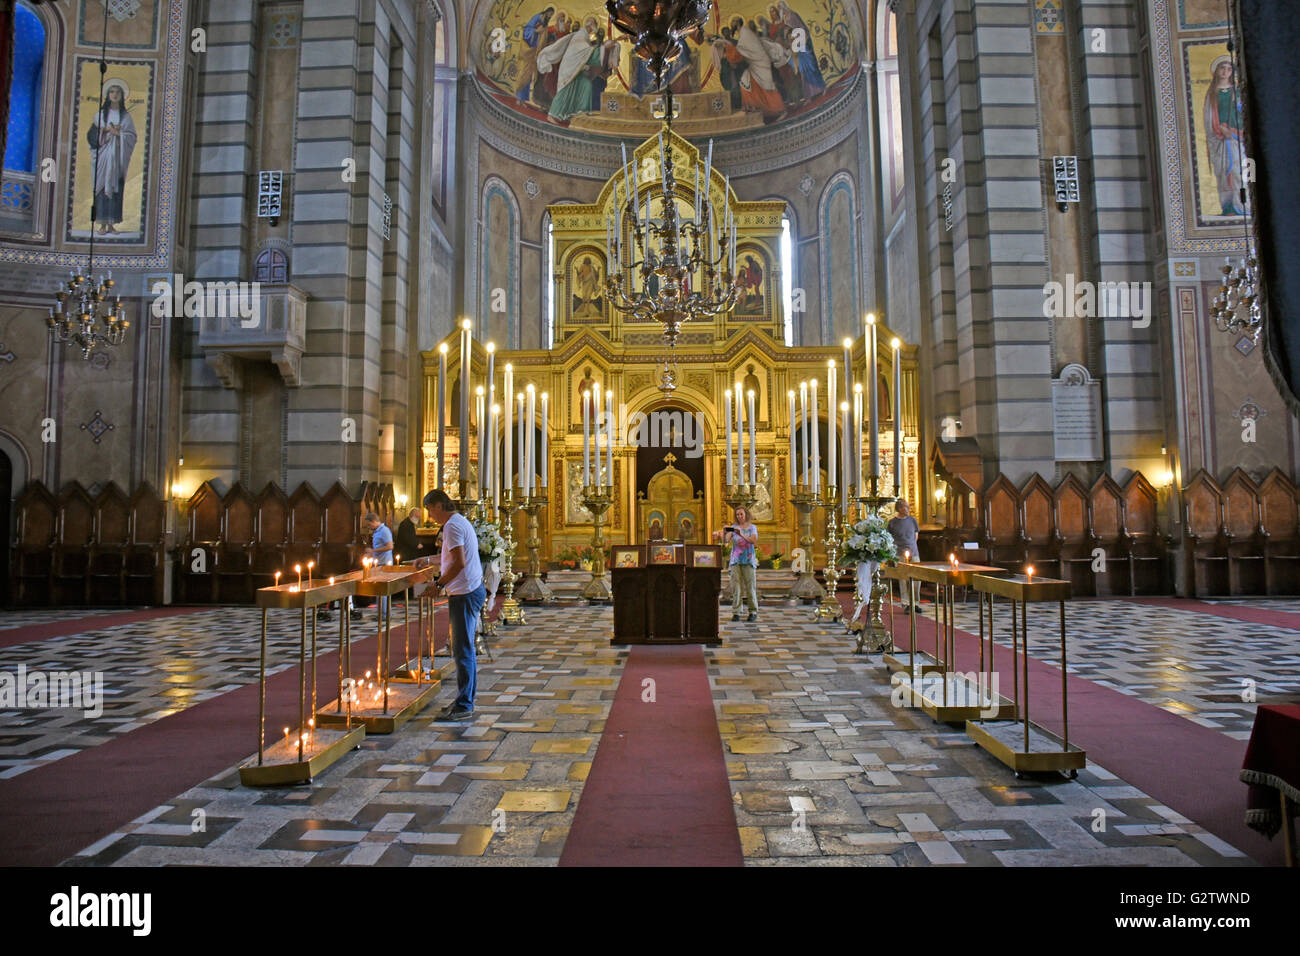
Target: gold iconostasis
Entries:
(670, 456)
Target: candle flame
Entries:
(1029, 571)
(895, 344)
(297, 568)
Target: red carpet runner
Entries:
(50, 813)
(657, 794)
(1189, 768)
(1251, 615)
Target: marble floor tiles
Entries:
(822, 768)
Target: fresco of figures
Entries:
(557, 60)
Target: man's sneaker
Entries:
(325, 615)
(356, 615)
(736, 616)
(752, 618)
(452, 712)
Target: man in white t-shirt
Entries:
(461, 578)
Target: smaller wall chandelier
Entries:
(670, 255)
(1235, 308)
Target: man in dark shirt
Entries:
(408, 542)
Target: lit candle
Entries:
(740, 433)
(464, 400)
(726, 425)
(310, 565)
(807, 442)
(907, 555)
(1029, 574)
(896, 345)
(277, 579)
(845, 447)
(544, 464)
(789, 397)
(609, 435)
(831, 462)
(816, 441)
(492, 373)
(873, 397)
(531, 394)
(442, 413)
(586, 438)
(298, 569)
(331, 580)
(753, 454)
(595, 435)
(509, 472)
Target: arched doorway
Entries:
(671, 489)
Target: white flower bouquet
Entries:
(869, 540)
(491, 546)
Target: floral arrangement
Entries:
(869, 540)
(491, 546)
(574, 557)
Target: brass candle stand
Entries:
(829, 609)
(872, 633)
(512, 611)
(534, 589)
(805, 587)
(597, 499)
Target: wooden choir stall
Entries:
(666, 593)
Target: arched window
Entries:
(271, 266)
(23, 136)
(891, 109)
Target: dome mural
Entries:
(755, 63)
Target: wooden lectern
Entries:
(666, 593)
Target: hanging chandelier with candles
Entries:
(82, 314)
(670, 253)
(657, 27)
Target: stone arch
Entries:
(837, 223)
(498, 264)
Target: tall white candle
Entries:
(816, 441)
(803, 419)
(507, 393)
(873, 399)
(523, 461)
(845, 469)
(753, 452)
(726, 419)
(531, 418)
(847, 448)
(493, 416)
(793, 465)
(491, 376)
(896, 345)
(464, 401)
(480, 420)
(442, 414)
(740, 431)
(600, 417)
(857, 436)
(832, 473)
(586, 437)
(545, 461)
(609, 435)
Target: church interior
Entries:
(811, 377)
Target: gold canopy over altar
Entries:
(669, 455)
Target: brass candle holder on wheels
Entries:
(512, 611)
(805, 587)
(829, 609)
(597, 499)
(534, 589)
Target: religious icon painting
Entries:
(1217, 148)
(704, 557)
(587, 287)
(665, 554)
(627, 558)
(753, 273)
(110, 152)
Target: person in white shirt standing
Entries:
(461, 578)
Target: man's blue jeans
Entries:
(464, 610)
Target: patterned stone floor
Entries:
(150, 669)
(502, 789)
(1212, 670)
(823, 768)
